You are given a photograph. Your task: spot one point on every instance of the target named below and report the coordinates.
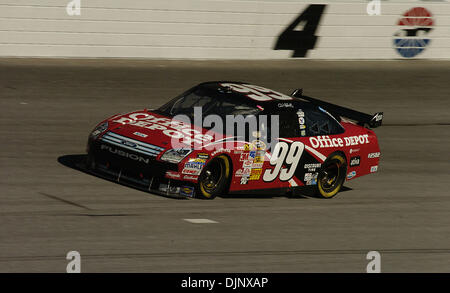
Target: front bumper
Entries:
(135, 169)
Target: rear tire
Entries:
(214, 178)
(331, 176)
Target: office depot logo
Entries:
(326, 142)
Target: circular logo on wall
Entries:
(413, 36)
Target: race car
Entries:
(232, 137)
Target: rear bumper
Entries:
(135, 169)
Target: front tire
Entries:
(331, 176)
(214, 178)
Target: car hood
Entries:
(153, 128)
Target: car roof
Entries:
(274, 105)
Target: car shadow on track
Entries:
(72, 161)
(76, 162)
(304, 193)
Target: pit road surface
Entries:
(48, 108)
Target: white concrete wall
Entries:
(207, 29)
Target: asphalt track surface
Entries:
(47, 209)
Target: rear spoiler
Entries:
(363, 119)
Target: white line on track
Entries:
(200, 221)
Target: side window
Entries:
(235, 107)
(227, 107)
(318, 122)
(289, 125)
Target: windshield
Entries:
(211, 102)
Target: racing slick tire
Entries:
(214, 178)
(331, 176)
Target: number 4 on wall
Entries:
(301, 41)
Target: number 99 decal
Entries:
(283, 154)
(257, 93)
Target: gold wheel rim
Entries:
(225, 171)
(338, 187)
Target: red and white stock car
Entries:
(203, 144)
